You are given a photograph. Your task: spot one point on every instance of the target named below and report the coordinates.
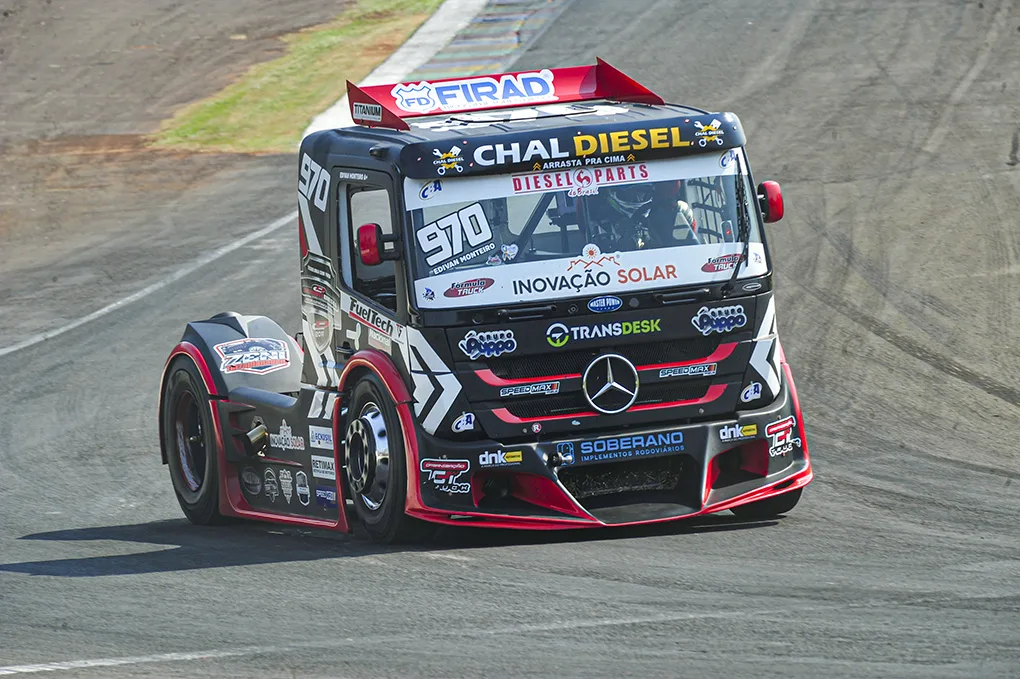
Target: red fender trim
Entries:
(191, 351)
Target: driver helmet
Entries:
(630, 198)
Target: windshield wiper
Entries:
(743, 230)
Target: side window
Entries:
(371, 204)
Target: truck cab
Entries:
(536, 300)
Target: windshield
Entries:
(590, 230)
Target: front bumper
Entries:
(632, 477)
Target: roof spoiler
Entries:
(389, 105)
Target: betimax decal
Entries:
(488, 344)
(720, 319)
(323, 467)
(558, 334)
(638, 445)
(255, 355)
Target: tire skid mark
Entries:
(1014, 148)
(911, 347)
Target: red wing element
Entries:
(388, 105)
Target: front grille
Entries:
(574, 362)
(574, 402)
(636, 476)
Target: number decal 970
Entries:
(449, 236)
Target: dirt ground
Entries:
(82, 82)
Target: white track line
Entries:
(431, 36)
(114, 662)
(148, 290)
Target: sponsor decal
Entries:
(325, 497)
(271, 486)
(456, 238)
(255, 355)
(429, 295)
(709, 133)
(781, 433)
(751, 392)
(721, 263)
(379, 341)
(735, 432)
(500, 458)
(448, 160)
(720, 319)
(430, 189)
(577, 282)
(604, 304)
(285, 440)
(566, 452)
(356, 176)
(701, 370)
(485, 91)
(320, 437)
(487, 155)
(313, 182)
(558, 334)
(624, 447)
(323, 467)
(493, 260)
(579, 181)
(628, 140)
(465, 422)
(372, 318)
(546, 388)
(536, 428)
(591, 256)
(322, 329)
(251, 480)
(751, 287)
(488, 344)
(508, 251)
(727, 157)
(286, 484)
(444, 474)
(371, 112)
(471, 287)
(301, 486)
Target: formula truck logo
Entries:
(512, 89)
(488, 344)
(444, 474)
(781, 433)
(709, 133)
(721, 319)
(255, 355)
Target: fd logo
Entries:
(444, 474)
(781, 433)
(415, 99)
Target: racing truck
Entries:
(538, 300)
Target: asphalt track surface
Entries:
(892, 126)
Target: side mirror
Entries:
(770, 199)
(372, 245)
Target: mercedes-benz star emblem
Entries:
(610, 384)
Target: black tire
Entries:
(376, 466)
(769, 508)
(190, 443)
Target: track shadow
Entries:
(191, 547)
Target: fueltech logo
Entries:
(444, 474)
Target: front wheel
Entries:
(376, 466)
(769, 507)
(190, 443)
